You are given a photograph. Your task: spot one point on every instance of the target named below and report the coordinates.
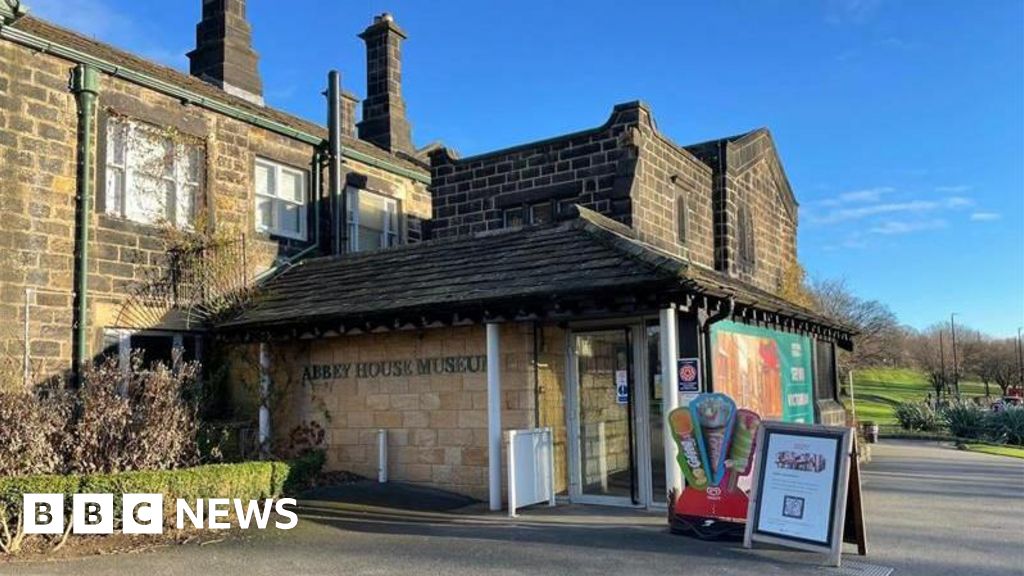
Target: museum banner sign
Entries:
(395, 368)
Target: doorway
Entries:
(613, 413)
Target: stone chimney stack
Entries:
(384, 122)
(224, 56)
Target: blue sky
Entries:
(900, 124)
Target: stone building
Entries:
(169, 154)
(400, 293)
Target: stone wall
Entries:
(625, 170)
(436, 420)
(749, 177)
(37, 210)
(670, 181)
(38, 137)
(593, 168)
(757, 180)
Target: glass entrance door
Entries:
(655, 415)
(605, 459)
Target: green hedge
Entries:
(246, 481)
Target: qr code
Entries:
(793, 507)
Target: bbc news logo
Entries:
(144, 513)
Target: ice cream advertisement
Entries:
(716, 444)
(765, 371)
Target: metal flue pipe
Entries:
(338, 202)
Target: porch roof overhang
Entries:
(584, 267)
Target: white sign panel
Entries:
(622, 387)
(796, 494)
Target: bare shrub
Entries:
(139, 419)
(32, 427)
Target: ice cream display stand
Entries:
(718, 446)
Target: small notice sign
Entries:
(689, 375)
(622, 387)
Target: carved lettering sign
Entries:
(395, 368)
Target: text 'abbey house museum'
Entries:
(348, 278)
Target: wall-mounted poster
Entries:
(800, 487)
(765, 371)
(689, 375)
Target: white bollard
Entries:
(382, 456)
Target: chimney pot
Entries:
(384, 122)
(223, 55)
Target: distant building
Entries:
(413, 289)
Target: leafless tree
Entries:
(927, 355)
(1002, 363)
(879, 337)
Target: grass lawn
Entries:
(1011, 451)
(878, 390)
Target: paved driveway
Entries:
(931, 510)
(934, 510)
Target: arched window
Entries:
(745, 238)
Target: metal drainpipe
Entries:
(339, 217)
(85, 86)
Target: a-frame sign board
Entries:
(806, 490)
(854, 529)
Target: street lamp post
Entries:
(956, 367)
(1020, 361)
(942, 365)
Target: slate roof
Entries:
(589, 254)
(96, 49)
(532, 261)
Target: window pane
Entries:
(514, 217)
(149, 153)
(540, 213)
(191, 159)
(147, 201)
(264, 180)
(264, 211)
(393, 218)
(291, 186)
(115, 142)
(184, 209)
(353, 237)
(369, 239)
(114, 191)
(154, 348)
(289, 218)
(372, 212)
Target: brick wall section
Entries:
(38, 132)
(437, 424)
(623, 169)
(748, 172)
(593, 168)
(665, 172)
(37, 209)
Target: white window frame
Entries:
(278, 171)
(127, 175)
(390, 237)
